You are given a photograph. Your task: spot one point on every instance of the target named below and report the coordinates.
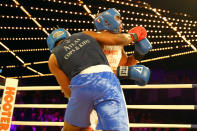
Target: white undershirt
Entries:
(113, 54)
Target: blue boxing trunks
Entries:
(100, 91)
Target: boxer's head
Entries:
(109, 20)
(55, 36)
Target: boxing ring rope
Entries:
(134, 125)
(34, 123)
(161, 107)
(149, 86)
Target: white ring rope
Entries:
(63, 106)
(33, 123)
(136, 125)
(153, 86)
(141, 125)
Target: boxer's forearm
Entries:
(131, 61)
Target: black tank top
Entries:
(78, 52)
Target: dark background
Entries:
(185, 6)
(173, 70)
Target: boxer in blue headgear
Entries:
(55, 36)
(108, 20)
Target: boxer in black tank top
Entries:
(83, 72)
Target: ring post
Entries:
(7, 104)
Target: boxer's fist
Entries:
(139, 73)
(141, 48)
(137, 33)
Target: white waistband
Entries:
(96, 69)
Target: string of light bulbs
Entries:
(69, 29)
(157, 16)
(175, 13)
(81, 29)
(85, 21)
(24, 38)
(166, 11)
(158, 36)
(145, 6)
(35, 28)
(23, 28)
(158, 42)
(177, 54)
(39, 25)
(182, 30)
(143, 61)
(124, 3)
(89, 12)
(46, 49)
(80, 13)
(77, 29)
(175, 29)
(128, 53)
(171, 42)
(62, 2)
(25, 50)
(168, 23)
(163, 49)
(48, 19)
(84, 29)
(123, 12)
(136, 19)
(170, 36)
(74, 29)
(19, 59)
(99, 7)
(26, 64)
(150, 36)
(168, 56)
(30, 76)
(29, 15)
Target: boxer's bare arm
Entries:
(127, 60)
(131, 61)
(108, 38)
(60, 76)
(123, 60)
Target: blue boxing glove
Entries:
(141, 48)
(56, 36)
(139, 73)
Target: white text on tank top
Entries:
(113, 54)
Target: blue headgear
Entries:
(106, 21)
(56, 36)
